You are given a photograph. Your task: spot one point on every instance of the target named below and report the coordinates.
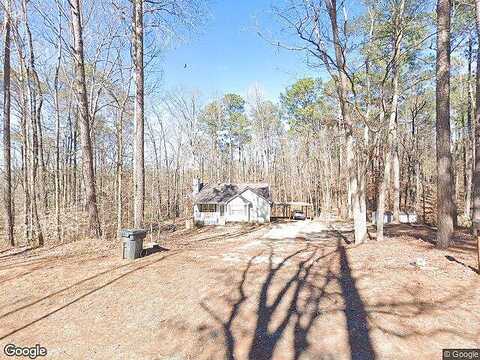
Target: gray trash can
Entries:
(132, 243)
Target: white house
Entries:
(217, 204)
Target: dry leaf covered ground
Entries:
(296, 290)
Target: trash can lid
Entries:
(132, 232)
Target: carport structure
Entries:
(285, 209)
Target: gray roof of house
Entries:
(222, 193)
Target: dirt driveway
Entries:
(284, 291)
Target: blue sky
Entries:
(229, 56)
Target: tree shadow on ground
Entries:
(291, 295)
(400, 317)
(15, 253)
(295, 300)
(76, 287)
(229, 338)
(355, 313)
(462, 241)
(265, 340)
(396, 318)
(452, 259)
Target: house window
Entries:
(207, 207)
(222, 210)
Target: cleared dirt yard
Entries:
(279, 291)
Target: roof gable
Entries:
(256, 192)
(223, 193)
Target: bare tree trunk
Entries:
(7, 187)
(156, 174)
(349, 191)
(476, 173)
(230, 165)
(27, 220)
(32, 159)
(444, 155)
(57, 129)
(385, 177)
(360, 222)
(418, 186)
(36, 103)
(363, 166)
(167, 165)
(454, 151)
(75, 182)
(81, 93)
(469, 137)
(41, 158)
(31, 125)
(177, 181)
(139, 161)
(26, 186)
(396, 174)
(366, 136)
(119, 165)
(57, 160)
(391, 131)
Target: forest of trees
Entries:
(90, 147)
